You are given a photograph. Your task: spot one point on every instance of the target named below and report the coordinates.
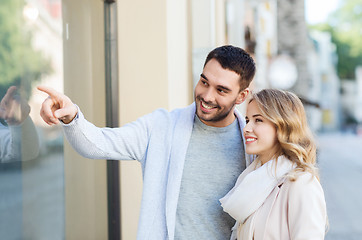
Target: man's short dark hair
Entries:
(235, 59)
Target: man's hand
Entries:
(13, 108)
(57, 107)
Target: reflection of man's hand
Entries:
(13, 108)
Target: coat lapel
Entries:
(264, 212)
(181, 137)
(248, 158)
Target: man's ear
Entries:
(242, 95)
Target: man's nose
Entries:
(209, 96)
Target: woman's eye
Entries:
(258, 120)
(246, 120)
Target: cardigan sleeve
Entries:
(128, 142)
(307, 213)
(18, 142)
(8, 143)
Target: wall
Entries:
(85, 180)
(154, 72)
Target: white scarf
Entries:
(253, 186)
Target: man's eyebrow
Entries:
(225, 88)
(204, 77)
(219, 86)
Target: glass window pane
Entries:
(31, 153)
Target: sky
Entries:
(317, 11)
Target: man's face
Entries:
(216, 94)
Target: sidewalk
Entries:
(340, 163)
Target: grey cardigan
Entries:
(159, 141)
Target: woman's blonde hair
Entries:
(286, 111)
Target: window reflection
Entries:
(31, 154)
(18, 137)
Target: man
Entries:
(190, 157)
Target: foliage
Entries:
(345, 26)
(20, 64)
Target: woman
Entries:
(278, 196)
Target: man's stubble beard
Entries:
(218, 117)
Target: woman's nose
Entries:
(247, 128)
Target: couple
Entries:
(206, 173)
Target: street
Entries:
(340, 163)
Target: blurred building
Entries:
(351, 99)
(324, 87)
(359, 94)
(293, 41)
(290, 58)
(314, 57)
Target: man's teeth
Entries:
(206, 106)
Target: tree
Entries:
(20, 64)
(345, 26)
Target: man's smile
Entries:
(206, 107)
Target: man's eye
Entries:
(204, 83)
(221, 91)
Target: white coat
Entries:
(294, 210)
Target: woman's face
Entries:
(260, 134)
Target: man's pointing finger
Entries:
(50, 91)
